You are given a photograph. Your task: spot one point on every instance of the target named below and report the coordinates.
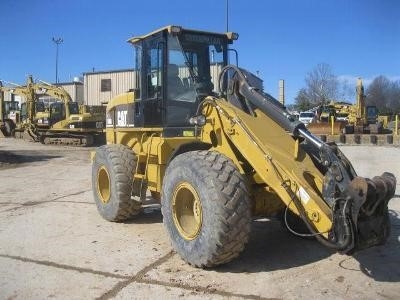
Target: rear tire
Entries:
(112, 177)
(206, 208)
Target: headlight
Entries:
(199, 120)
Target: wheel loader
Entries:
(217, 156)
(63, 122)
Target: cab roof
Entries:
(177, 29)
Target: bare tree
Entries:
(321, 86)
(347, 91)
(377, 92)
(303, 100)
(384, 94)
(394, 97)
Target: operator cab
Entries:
(58, 110)
(177, 68)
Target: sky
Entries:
(283, 39)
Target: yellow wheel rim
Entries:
(103, 185)
(187, 211)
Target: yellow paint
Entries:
(266, 155)
(187, 211)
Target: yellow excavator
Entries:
(217, 157)
(17, 116)
(62, 122)
(348, 118)
(363, 118)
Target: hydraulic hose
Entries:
(348, 233)
(265, 102)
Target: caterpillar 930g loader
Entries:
(217, 160)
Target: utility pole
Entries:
(227, 15)
(57, 41)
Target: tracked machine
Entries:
(217, 157)
(62, 122)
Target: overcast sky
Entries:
(279, 39)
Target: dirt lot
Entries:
(54, 244)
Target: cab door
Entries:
(149, 108)
(57, 112)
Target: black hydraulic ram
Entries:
(359, 205)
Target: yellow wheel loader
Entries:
(215, 157)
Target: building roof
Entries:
(108, 71)
(68, 83)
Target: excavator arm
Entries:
(56, 92)
(314, 179)
(28, 92)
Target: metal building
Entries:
(74, 89)
(100, 87)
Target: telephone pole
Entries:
(227, 15)
(57, 41)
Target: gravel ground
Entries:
(54, 244)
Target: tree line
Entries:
(323, 86)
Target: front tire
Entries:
(112, 176)
(206, 208)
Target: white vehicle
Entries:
(307, 117)
(343, 117)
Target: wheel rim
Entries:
(187, 211)
(103, 185)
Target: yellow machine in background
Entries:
(342, 117)
(63, 121)
(327, 122)
(19, 116)
(363, 118)
(217, 157)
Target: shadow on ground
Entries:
(148, 216)
(14, 159)
(383, 263)
(271, 247)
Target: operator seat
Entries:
(175, 84)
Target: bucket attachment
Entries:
(326, 128)
(361, 218)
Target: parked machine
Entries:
(215, 160)
(363, 118)
(348, 118)
(327, 122)
(62, 122)
(17, 115)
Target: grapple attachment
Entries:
(365, 205)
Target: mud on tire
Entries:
(206, 208)
(112, 174)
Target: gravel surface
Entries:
(54, 244)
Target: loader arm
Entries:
(312, 178)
